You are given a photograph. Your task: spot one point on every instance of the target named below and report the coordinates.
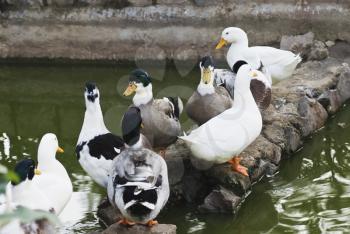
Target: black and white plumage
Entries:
(97, 146)
(138, 185)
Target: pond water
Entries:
(310, 194)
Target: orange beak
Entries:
(130, 90)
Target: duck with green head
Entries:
(160, 117)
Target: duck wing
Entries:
(272, 56)
(225, 78)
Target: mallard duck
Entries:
(279, 63)
(24, 192)
(54, 180)
(160, 117)
(96, 146)
(225, 136)
(208, 100)
(131, 128)
(138, 185)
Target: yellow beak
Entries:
(37, 172)
(142, 126)
(130, 90)
(221, 43)
(60, 150)
(254, 74)
(206, 75)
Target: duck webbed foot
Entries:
(151, 223)
(236, 166)
(126, 222)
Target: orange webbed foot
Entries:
(151, 223)
(236, 166)
(126, 222)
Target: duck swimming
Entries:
(225, 136)
(279, 63)
(54, 180)
(24, 192)
(96, 146)
(138, 185)
(160, 117)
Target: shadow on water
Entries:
(310, 193)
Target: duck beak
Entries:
(254, 74)
(221, 43)
(37, 171)
(206, 75)
(130, 90)
(142, 126)
(60, 150)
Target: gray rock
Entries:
(330, 100)
(343, 85)
(300, 44)
(318, 51)
(220, 200)
(172, 2)
(107, 214)
(330, 43)
(141, 229)
(207, 2)
(140, 3)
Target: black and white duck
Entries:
(96, 146)
(138, 185)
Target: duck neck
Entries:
(143, 95)
(243, 98)
(93, 123)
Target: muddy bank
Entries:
(300, 106)
(136, 30)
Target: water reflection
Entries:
(311, 193)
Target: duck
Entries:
(208, 100)
(224, 137)
(279, 63)
(24, 192)
(138, 186)
(160, 117)
(97, 146)
(54, 180)
(215, 92)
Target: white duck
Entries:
(225, 136)
(280, 64)
(54, 180)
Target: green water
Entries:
(310, 194)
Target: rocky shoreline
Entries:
(300, 106)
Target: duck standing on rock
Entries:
(208, 100)
(96, 147)
(160, 117)
(279, 63)
(215, 92)
(225, 136)
(138, 185)
(54, 180)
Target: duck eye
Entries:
(226, 33)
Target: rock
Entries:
(300, 44)
(330, 43)
(107, 214)
(343, 85)
(220, 200)
(140, 3)
(330, 100)
(207, 2)
(141, 229)
(318, 51)
(60, 3)
(172, 2)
